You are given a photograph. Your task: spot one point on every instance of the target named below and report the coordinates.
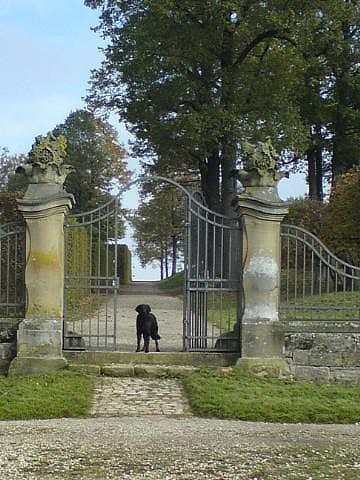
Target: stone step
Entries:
(134, 370)
(191, 359)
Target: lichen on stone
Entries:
(45, 162)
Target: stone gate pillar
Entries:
(261, 212)
(39, 338)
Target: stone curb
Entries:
(139, 370)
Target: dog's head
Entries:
(143, 309)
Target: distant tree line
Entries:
(93, 148)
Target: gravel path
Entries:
(168, 310)
(166, 448)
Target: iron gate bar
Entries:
(12, 270)
(99, 228)
(208, 276)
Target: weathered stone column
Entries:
(261, 212)
(39, 338)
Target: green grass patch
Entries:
(237, 396)
(53, 395)
(326, 306)
(173, 284)
(222, 310)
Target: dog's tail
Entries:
(156, 337)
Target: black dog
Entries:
(147, 326)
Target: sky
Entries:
(47, 50)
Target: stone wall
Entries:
(8, 328)
(324, 352)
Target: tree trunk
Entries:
(162, 267)
(342, 146)
(228, 143)
(174, 255)
(319, 174)
(315, 172)
(210, 183)
(166, 261)
(228, 161)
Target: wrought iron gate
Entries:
(91, 279)
(12, 271)
(212, 277)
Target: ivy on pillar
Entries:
(44, 206)
(261, 212)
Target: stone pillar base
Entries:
(35, 365)
(39, 347)
(264, 367)
(262, 338)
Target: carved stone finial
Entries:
(261, 157)
(46, 161)
(260, 165)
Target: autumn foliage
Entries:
(336, 223)
(306, 213)
(341, 219)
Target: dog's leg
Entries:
(146, 343)
(138, 342)
(157, 346)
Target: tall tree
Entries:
(180, 73)
(8, 164)
(329, 97)
(344, 85)
(94, 150)
(158, 224)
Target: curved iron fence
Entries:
(315, 283)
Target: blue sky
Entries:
(47, 50)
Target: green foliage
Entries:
(55, 395)
(94, 150)
(222, 310)
(124, 265)
(341, 220)
(8, 164)
(194, 80)
(8, 207)
(233, 395)
(173, 284)
(77, 264)
(189, 77)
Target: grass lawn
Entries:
(174, 284)
(54, 395)
(328, 306)
(236, 396)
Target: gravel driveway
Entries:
(167, 448)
